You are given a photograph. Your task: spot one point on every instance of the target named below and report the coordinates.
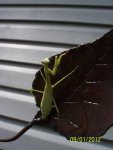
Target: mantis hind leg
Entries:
(55, 105)
(57, 112)
(39, 91)
(33, 90)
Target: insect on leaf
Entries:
(85, 98)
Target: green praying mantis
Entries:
(47, 101)
(47, 98)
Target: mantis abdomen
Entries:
(46, 103)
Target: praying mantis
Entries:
(47, 98)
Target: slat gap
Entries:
(20, 64)
(15, 90)
(38, 43)
(54, 23)
(30, 5)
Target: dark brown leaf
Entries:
(85, 98)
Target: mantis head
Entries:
(45, 61)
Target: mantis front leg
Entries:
(52, 72)
(56, 64)
(47, 98)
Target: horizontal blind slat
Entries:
(17, 77)
(51, 34)
(98, 16)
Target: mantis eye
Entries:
(45, 61)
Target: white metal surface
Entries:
(29, 31)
